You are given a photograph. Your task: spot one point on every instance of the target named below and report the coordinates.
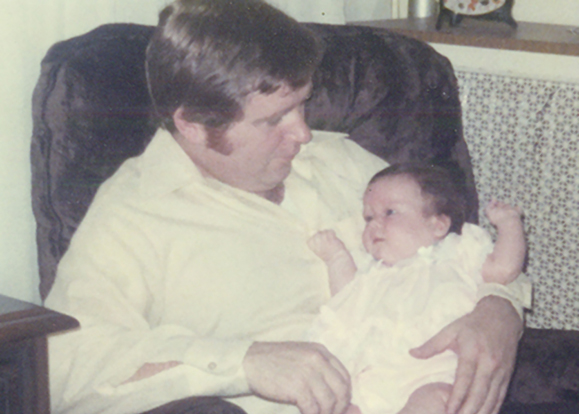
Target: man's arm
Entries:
(485, 341)
(300, 373)
(114, 358)
(303, 374)
(148, 369)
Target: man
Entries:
(190, 273)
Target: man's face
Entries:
(260, 147)
(396, 221)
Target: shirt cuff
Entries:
(222, 359)
(519, 292)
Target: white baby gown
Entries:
(373, 322)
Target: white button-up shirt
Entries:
(169, 265)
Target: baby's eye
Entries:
(389, 212)
(368, 219)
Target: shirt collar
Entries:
(165, 167)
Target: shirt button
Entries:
(212, 366)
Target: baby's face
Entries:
(396, 223)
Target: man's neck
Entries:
(275, 195)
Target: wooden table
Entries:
(23, 355)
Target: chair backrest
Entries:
(395, 96)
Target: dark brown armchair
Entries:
(395, 96)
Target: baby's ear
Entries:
(440, 225)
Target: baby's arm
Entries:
(333, 252)
(506, 260)
(428, 399)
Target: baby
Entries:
(428, 266)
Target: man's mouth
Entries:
(290, 157)
(295, 150)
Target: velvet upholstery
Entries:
(547, 369)
(395, 96)
(198, 405)
(91, 111)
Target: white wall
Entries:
(565, 12)
(512, 63)
(29, 27)
(336, 11)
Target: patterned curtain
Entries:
(523, 136)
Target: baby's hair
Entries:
(438, 186)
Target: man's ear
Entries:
(440, 224)
(192, 132)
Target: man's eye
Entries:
(389, 212)
(274, 121)
(367, 219)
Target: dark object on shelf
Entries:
(456, 10)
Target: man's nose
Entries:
(298, 130)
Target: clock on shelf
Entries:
(456, 10)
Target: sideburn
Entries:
(216, 140)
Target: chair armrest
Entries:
(547, 368)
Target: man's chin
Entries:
(280, 174)
(275, 194)
(274, 179)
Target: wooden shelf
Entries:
(529, 37)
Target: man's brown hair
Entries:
(207, 56)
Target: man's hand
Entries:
(486, 344)
(300, 373)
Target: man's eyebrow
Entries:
(286, 110)
(274, 115)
